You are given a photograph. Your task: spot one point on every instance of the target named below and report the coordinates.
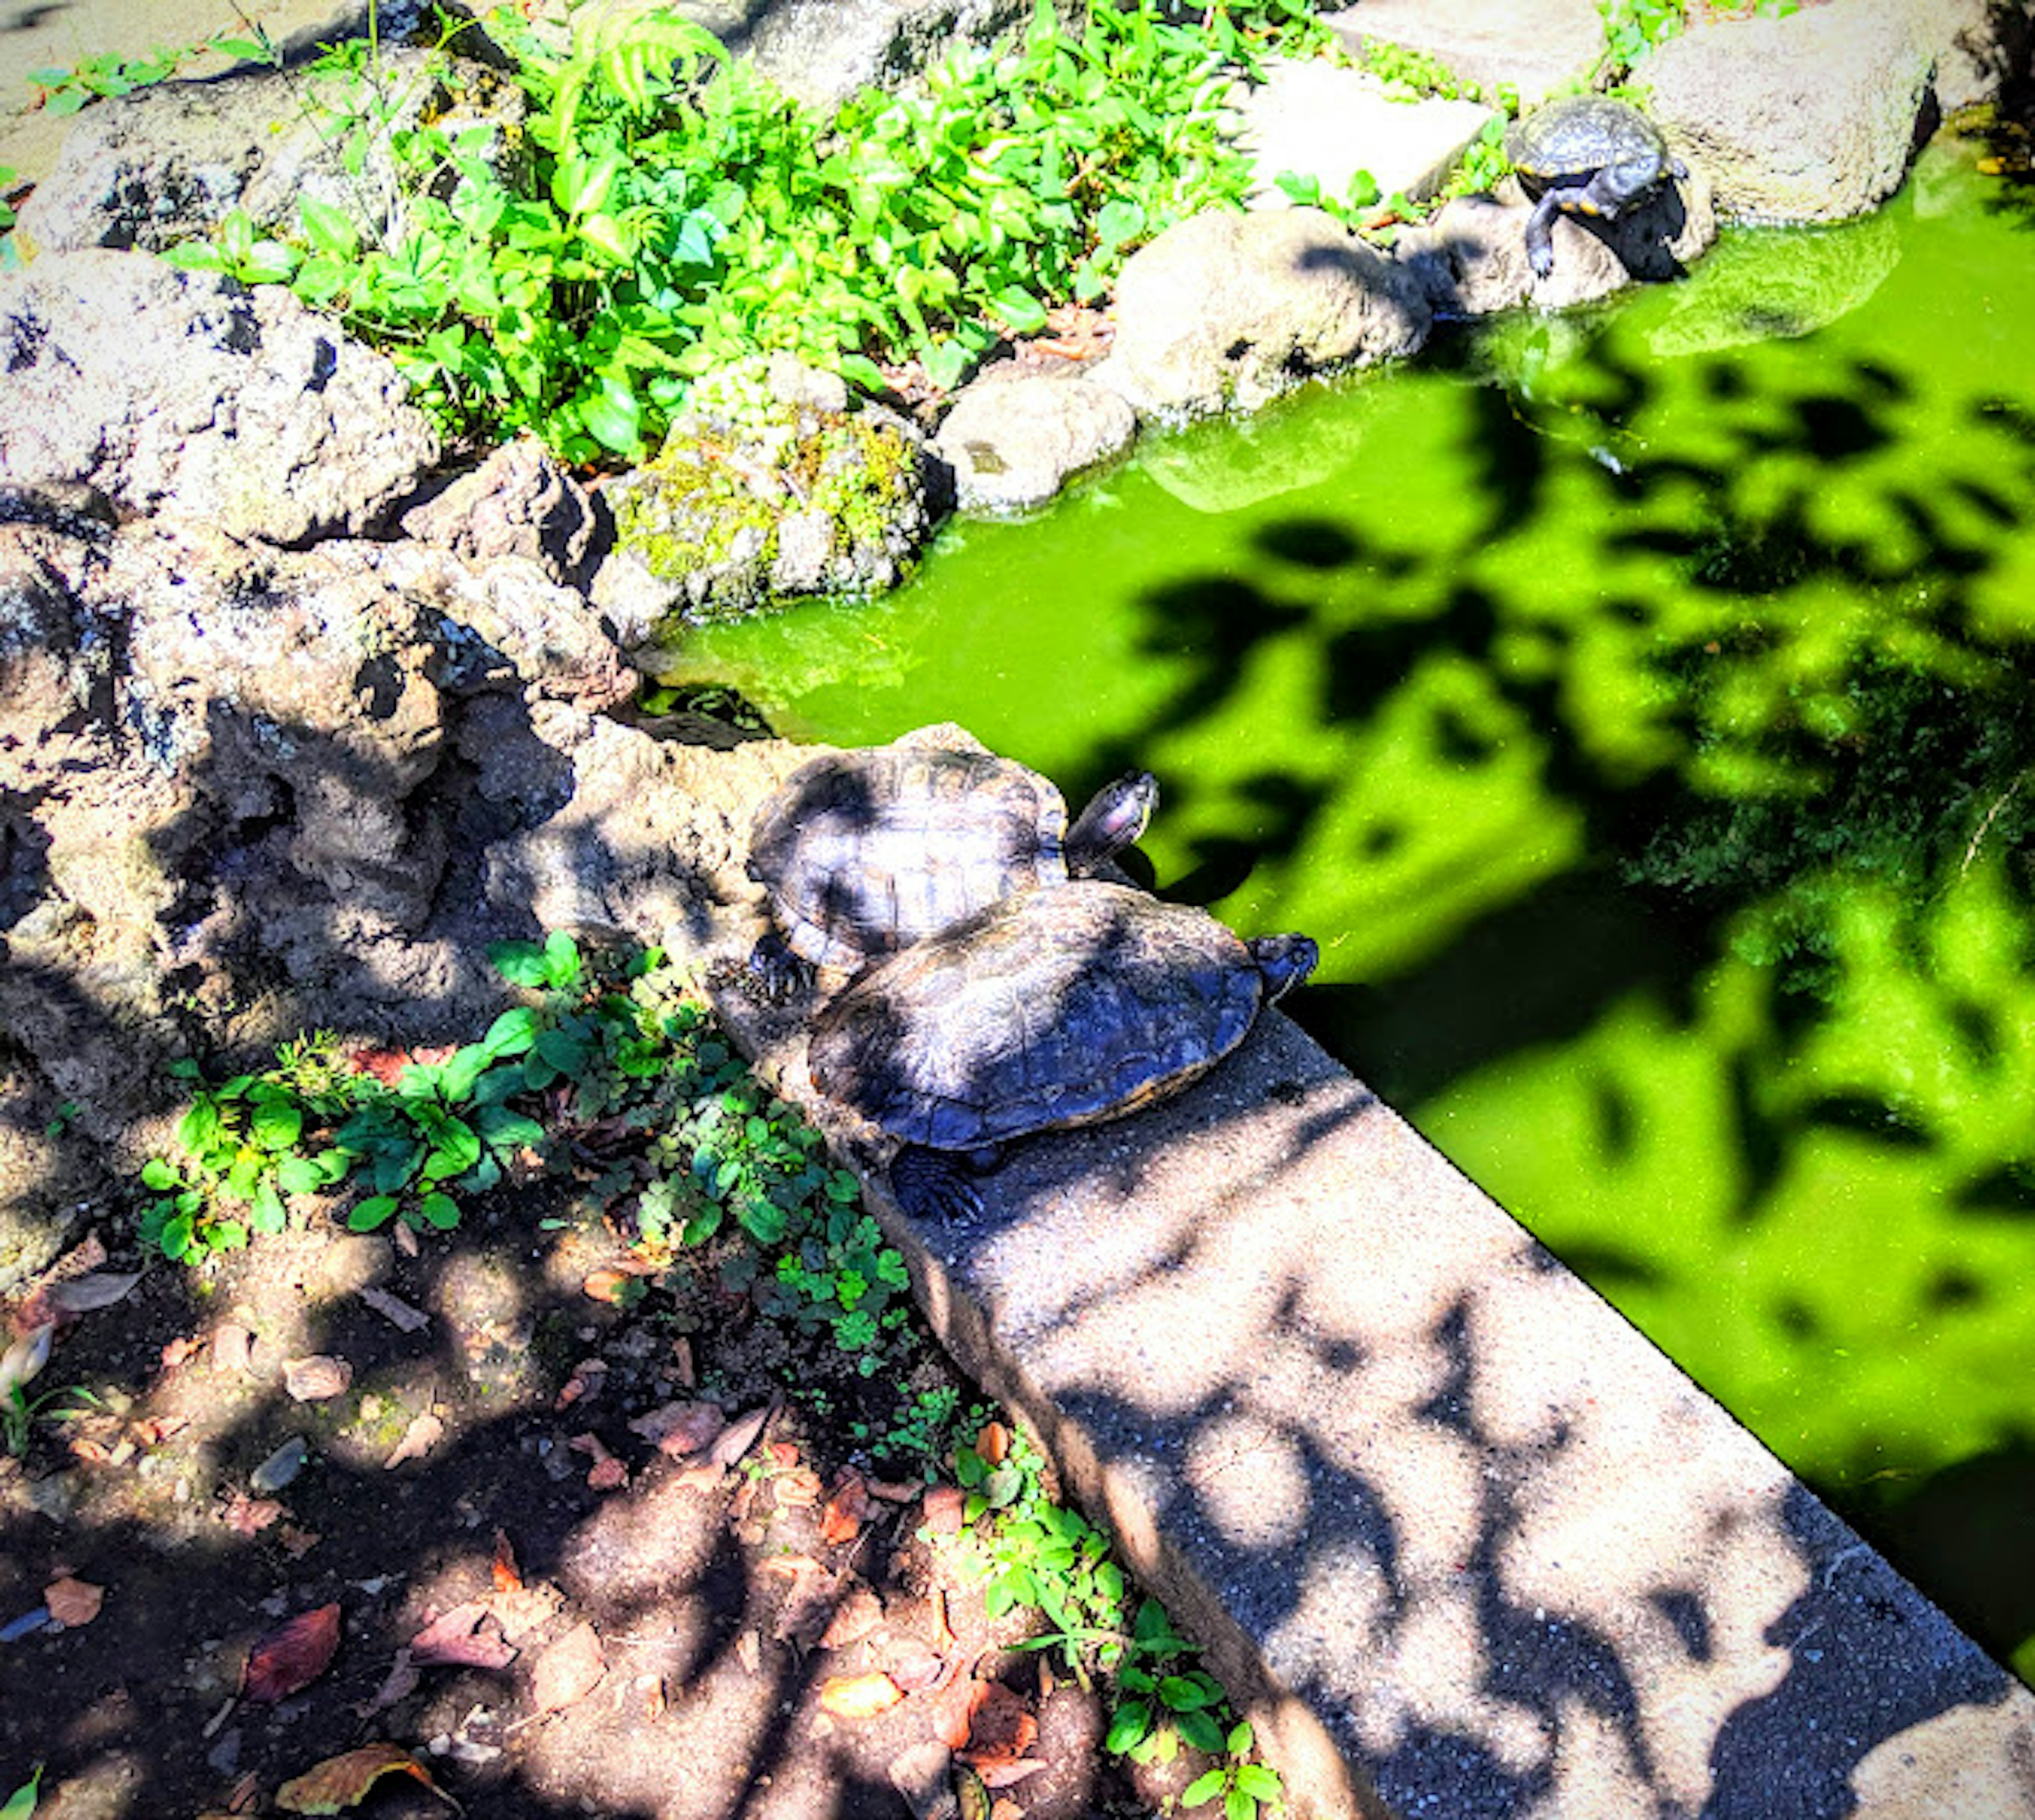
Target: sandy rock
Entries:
(1225, 311)
(165, 164)
(518, 502)
(1809, 118)
(1534, 46)
(1013, 440)
(1317, 120)
(178, 395)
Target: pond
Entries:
(1636, 706)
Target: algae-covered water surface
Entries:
(1636, 706)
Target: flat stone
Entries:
(1458, 1538)
(1534, 46)
(1013, 440)
(1316, 120)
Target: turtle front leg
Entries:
(935, 1184)
(775, 974)
(1540, 233)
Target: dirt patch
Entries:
(616, 1552)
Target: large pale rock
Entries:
(1809, 118)
(165, 164)
(178, 395)
(1227, 311)
(1979, 46)
(823, 51)
(1535, 47)
(1320, 121)
(1013, 441)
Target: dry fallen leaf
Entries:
(395, 1309)
(292, 1656)
(398, 1684)
(797, 1490)
(314, 1379)
(423, 1434)
(98, 1289)
(519, 1610)
(456, 1637)
(180, 1351)
(739, 1436)
(854, 1617)
(569, 1670)
(749, 1650)
(1000, 1727)
(341, 1782)
(73, 1602)
(606, 1285)
(508, 1576)
(1002, 1773)
(587, 1377)
(608, 1473)
(232, 1347)
(993, 1443)
(860, 1696)
(247, 1515)
(912, 1664)
(26, 1356)
(841, 1520)
(680, 1428)
(785, 1453)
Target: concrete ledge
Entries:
(1460, 1540)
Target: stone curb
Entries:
(1460, 1540)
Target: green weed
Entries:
(20, 1805)
(66, 90)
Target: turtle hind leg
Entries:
(936, 1185)
(775, 975)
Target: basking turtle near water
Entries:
(1055, 1008)
(865, 852)
(1586, 155)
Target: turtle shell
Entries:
(865, 852)
(1571, 139)
(1057, 1008)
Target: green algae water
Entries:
(1636, 707)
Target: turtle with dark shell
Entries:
(865, 852)
(1045, 1010)
(1587, 154)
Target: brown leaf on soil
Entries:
(1000, 1729)
(912, 1664)
(153, 1431)
(247, 1515)
(682, 1361)
(232, 1347)
(942, 1509)
(519, 1610)
(799, 1489)
(993, 1443)
(316, 1377)
(508, 1576)
(569, 1670)
(749, 1650)
(343, 1781)
(953, 1709)
(680, 1428)
(605, 1285)
(895, 1491)
(860, 1696)
(854, 1617)
(394, 1309)
(456, 1637)
(398, 1684)
(180, 1351)
(298, 1543)
(587, 1377)
(739, 1436)
(841, 1520)
(73, 1602)
(785, 1453)
(789, 1566)
(292, 1656)
(608, 1473)
(94, 1290)
(1002, 1775)
(92, 1452)
(406, 1239)
(423, 1434)
(943, 1630)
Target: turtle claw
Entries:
(934, 1185)
(775, 975)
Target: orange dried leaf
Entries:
(456, 1637)
(605, 1285)
(73, 1602)
(841, 1520)
(293, 1656)
(508, 1576)
(783, 1454)
(247, 1515)
(860, 1696)
(1000, 1728)
(341, 1782)
(680, 1428)
(993, 1443)
(798, 1489)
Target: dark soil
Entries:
(708, 1591)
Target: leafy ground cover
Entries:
(626, 1478)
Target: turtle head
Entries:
(1285, 961)
(1111, 821)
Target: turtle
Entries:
(865, 851)
(1585, 155)
(1046, 1009)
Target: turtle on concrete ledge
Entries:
(1588, 155)
(1052, 1009)
(865, 852)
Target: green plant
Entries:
(1350, 209)
(66, 90)
(1243, 1785)
(19, 1412)
(1632, 27)
(20, 1805)
(1483, 164)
